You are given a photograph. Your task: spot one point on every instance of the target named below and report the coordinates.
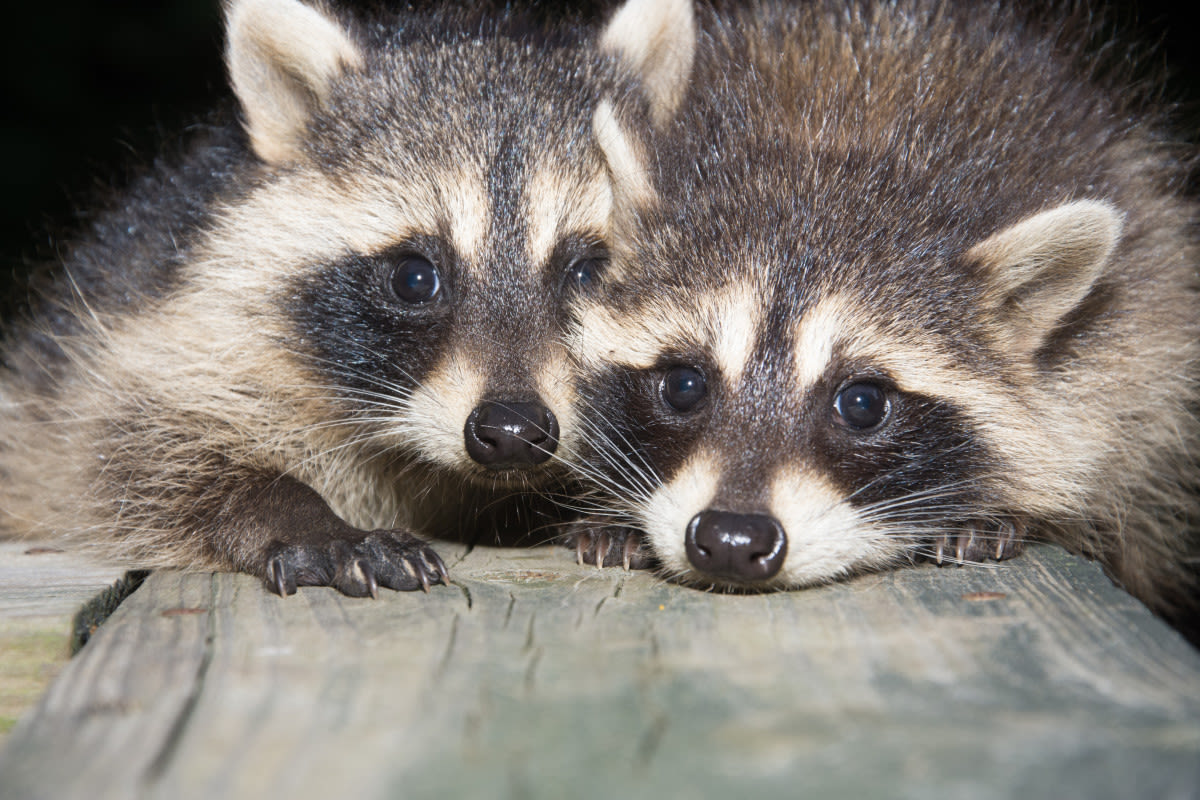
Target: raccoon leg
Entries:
(608, 545)
(288, 535)
(978, 540)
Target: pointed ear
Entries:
(656, 41)
(1041, 269)
(282, 57)
(624, 154)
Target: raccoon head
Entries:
(431, 196)
(769, 421)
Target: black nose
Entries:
(743, 547)
(510, 435)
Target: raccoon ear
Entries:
(625, 156)
(1040, 269)
(282, 57)
(656, 41)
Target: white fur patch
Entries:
(818, 332)
(602, 338)
(665, 516)
(826, 536)
(466, 203)
(558, 203)
(734, 315)
(300, 221)
(438, 409)
(725, 322)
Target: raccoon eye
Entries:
(415, 280)
(683, 388)
(861, 406)
(582, 273)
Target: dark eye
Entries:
(683, 388)
(415, 280)
(862, 406)
(584, 272)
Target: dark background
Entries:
(89, 87)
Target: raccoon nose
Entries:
(742, 547)
(510, 435)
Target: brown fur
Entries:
(874, 173)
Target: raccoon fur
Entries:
(898, 280)
(337, 321)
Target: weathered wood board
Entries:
(533, 677)
(41, 588)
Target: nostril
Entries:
(508, 435)
(741, 547)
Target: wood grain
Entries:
(533, 677)
(41, 587)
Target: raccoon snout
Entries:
(511, 435)
(741, 547)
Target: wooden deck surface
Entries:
(41, 588)
(531, 677)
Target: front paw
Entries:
(355, 566)
(978, 540)
(608, 546)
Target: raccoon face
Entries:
(454, 349)
(431, 199)
(769, 432)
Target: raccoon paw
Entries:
(609, 546)
(979, 540)
(356, 567)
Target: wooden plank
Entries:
(533, 677)
(41, 588)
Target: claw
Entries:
(603, 545)
(279, 579)
(580, 550)
(369, 576)
(422, 576)
(630, 547)
(439, 567)
(941, 544)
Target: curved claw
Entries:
(630, 548)
(602, 545)
(443, 573)
(279, 578)
(368, 574)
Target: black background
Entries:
(89, 87)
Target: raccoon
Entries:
(336, 320)
(899, 280)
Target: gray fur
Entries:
(219, 377)
(842, 160)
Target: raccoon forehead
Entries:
(468, 210)
(562, 199)
(838, 327)
(304, 219)
(725, 322)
